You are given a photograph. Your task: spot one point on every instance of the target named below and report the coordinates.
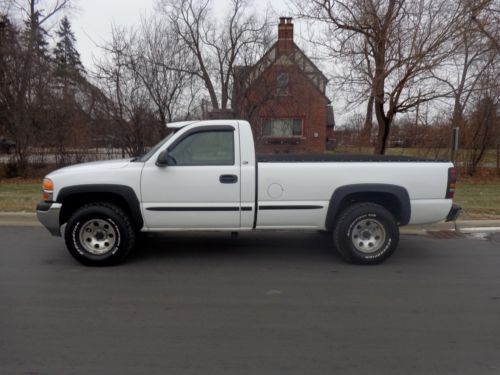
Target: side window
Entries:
(205, 148)
(282, 84)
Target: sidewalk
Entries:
(29, 220)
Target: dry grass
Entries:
(479, 199)
(19, 195)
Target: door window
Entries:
(205, 148)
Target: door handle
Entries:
(228, 179)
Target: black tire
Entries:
(365, 233)
(99, 234)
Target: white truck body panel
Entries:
(112, 172)
(279, 184)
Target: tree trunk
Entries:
(211, 92)
(367, 127)
(224, 96)
(378, 96)
(162, 130)
(384, 126)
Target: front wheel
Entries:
(99, 234)
(366, 233)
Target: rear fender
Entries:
(393, 197)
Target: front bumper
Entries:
(48, 214)
(454, 212)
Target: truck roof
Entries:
(179, 124)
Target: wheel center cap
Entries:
(99, 236)
(366, 235)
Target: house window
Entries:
(282, 128)
(282, 84)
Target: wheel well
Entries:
(74, 201)
(387, 200)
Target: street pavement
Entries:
(263, 303)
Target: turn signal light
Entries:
(47, 184)
(48, 189)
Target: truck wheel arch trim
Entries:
(341, 193)
(125, 192)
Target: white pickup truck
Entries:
(205, 176)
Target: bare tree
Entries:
(482, 123)
(485, 14)
(217, 48)
(5, 6)
(145, 70)
(399, 44)
(127, 99)
(473, 56)
(29, 67)
(145, 76)
(161, 61)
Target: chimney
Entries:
(285, 35)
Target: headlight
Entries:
(48, 189)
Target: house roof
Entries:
(245, 76)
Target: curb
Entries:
(464, 226)
(19, 219)
(29, 219)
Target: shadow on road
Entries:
(302, 247)
(220, 245)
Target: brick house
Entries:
(283, 97)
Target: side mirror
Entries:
(162, 160)
(165, 159)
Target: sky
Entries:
(92, 19)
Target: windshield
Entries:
(151, 152)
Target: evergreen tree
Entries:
(66, 56)
(8, 34)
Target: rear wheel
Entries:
(366, 233)
(99, 234)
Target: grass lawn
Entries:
(19, 196)
(480, 200)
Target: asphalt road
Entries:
(266, 303)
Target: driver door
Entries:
(200, 188)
